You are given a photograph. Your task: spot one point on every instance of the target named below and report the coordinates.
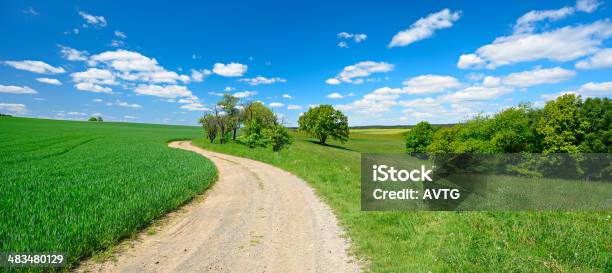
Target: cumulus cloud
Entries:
(35, 67)
(342, 44)
(427, 84)
(11, 89)
(93, 20)
(72, 54)
(91, 87)
(245, 94)
(477, 93)
(561, 45)
(356, 37)
(199, 75)
(95, 76)
(335, 96)
(527, 22)
(129, 105)
(380, 100)
(194, 107)
(276, 104)
(168, 91)
(13, 107)
(287, 96)
(355, 73)
(262, 80)
(294, 107)
(601, 59)
(230, 70)
(49, 81)
(133, 66)
(425, 27)
(538, 76)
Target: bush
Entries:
(277, 136)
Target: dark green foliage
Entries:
(261, 128)
(324, 121)
(98, 118)
(419, 137)
(277, 136)
(562, 126)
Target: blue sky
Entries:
(381, 62)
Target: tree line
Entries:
(568, 124)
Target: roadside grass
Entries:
(438, 241)
(80, 187)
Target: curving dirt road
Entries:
(256, 218)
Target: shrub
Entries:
(419, 137)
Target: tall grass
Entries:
(79, 187)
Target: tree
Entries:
(324, 121)
(94, 118)
(419, 137)
(598, 139)
(277, 136)
(562, 125)
(229, 104)
(209, 123)
(257, 111)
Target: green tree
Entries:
(562, 125)
(277, 136)
(511, 129)
(419, 137)
(324, 121)
(598, 139)
(229, 104)
(209, 124)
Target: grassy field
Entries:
(438, 241)
(79, 187)
(379, 131)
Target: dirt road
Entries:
(256, 218)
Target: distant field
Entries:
(379, 131)
(79, 187)
(438, 241)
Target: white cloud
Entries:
(262, 80)
(13, 107)
(421, 103)
(294, 107)
(245, 94)
(427, 84)
(425, 27)
(95, 76)
(30, 11)
(229, 88)
(72, 54)
(117, 43)
(49, 81)
(93, 20)
(97, 100)
(276, 104)
(88, 86)
(120, 34)
(199, 75)
(194, 107)
(587, 6)
(561, 45)
(230, 70)
(168, 91)
(125, 104)
(76, 114)
(381, 100)
(477, 93)
(332, 81)
(490, 81)
(335, 96)
(133, 66)
(11, 89)
(130, 117)
(356, 37)
(35, 67)
(355, 73)
(538, 76)
(601, 59)
(593, 89)
(287, 96)
(526, 23)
